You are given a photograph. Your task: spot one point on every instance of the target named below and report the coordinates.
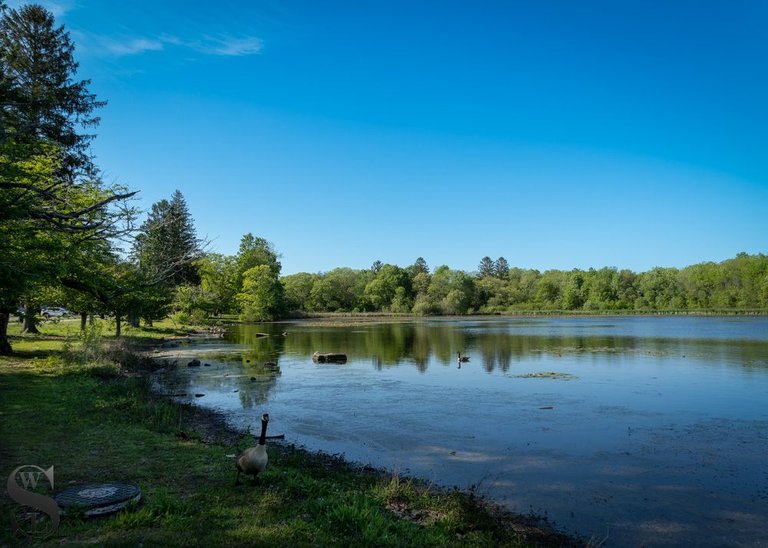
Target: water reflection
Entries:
(606, 424)
(251, 373)
(493, 345)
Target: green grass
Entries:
(100, 422)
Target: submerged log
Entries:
(329, 357)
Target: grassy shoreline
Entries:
(99, 421)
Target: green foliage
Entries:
(501, 268)
(401, 302)
(218, 280)
(486, 267)
(660, 289)
(29, 255)
(548, 290)
(261, 298)
(382, 290)
(92, 344)
(491, 292)
(740, 283)
(57, 218)
(421, 282)
(125, 291)
(298, 290)
(340, 289)
(573, 291)
(166, 248)
(256, 252)
(418, 267)
(181, 318)
(192, 300)
(259, 295)
(424, 305)
(452, 291)
(42, 102)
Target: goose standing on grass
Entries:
(253, 460)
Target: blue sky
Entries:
(557, 134)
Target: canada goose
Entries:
(462, 359)
(253, 460)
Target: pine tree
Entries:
(166, 247)
(486, 267)
(419, 267)
(501, 268)
(41, 101)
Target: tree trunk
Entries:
(5, 345)
(29, 319)
(83, 320)
(118, 326)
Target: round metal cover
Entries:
(98, 499)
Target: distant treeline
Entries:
(738, 284)
(250, 284)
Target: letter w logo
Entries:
(30, 478)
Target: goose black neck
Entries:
(263, 436)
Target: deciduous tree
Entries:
(381, 291)
(341, 289)
(51, 199)
(218, 277)
(298, 290)
(261, 298)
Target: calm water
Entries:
(644, 430)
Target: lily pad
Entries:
(548, 375)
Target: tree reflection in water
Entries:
(494, 344)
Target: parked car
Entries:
(53, 311)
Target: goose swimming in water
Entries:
(254, 460)
(462, 359)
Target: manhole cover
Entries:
(100, 499)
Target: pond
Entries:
(641, 430)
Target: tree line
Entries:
(69, 238)
(249, 285)
(739, 283)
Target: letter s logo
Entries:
(29, 476)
